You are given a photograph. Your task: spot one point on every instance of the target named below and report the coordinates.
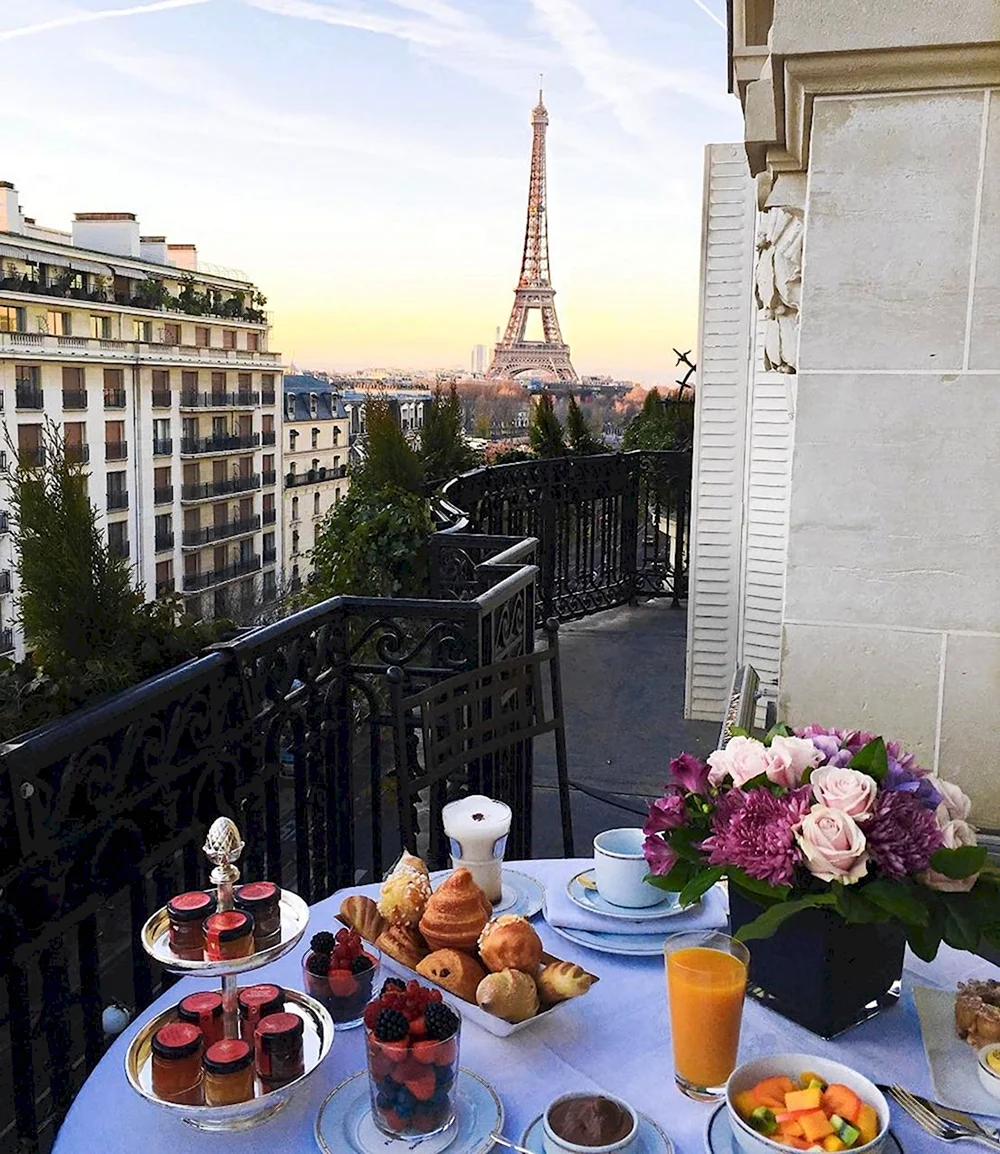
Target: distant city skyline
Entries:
(367, 163)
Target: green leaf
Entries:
(854, 907)
(757, 887)
(924, 940)
(765, 924)
(700, 884)
(959, 863)
(872, 759)
(778, 730)
(961, 928)
(678, 877)
(739, 731)
(899, 899)
(683, 843)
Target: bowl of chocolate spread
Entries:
(589, 1124)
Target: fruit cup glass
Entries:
(706, 984)
(343, 993)
(412, 1084)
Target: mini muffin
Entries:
(510, 942)
(455, 971)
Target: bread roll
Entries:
(455, 971)
(511, 995)
(509, 942)
(562, 980)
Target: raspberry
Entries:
(342, 936)
(322, 942)
(318, 963)
(391, 1026)
(361, 964)
(392, 984)
(440, 1020)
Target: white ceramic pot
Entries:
(620, 869)
(553, 1144)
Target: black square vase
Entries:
(819, 971)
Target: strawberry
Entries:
(446, 1052)
(409, 1068)
(418, 1027)
(371, 1013)
(392, 1120)
(423, 1086)
(395, 1051)
(343, 984)
(425, 1052)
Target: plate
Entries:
(625, 945)
(520, 894)
(719, 1136)
(587, 898)
(649, 1140)
(345, 1125)
(952, 1062)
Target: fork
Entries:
(937, 1126)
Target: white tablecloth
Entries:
(616, 1038)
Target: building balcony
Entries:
(77, 454)
(268, 437)
(203, 490)
(31, 458)
(114, 398)
(40, 346)
(6, 641)
(74, 399)
(314, 476)
(269, 477)
(164, 495)
(161, 399)
(194, 446)
(267, 397)
(270, 516)
(4, 522)
(117, 501)
(193, 538)
(163, 542)
(165, 587)
(28, 397)
(270, 556)
(195, 581)
(240, 400)
(6, 582)
(116, 450)
(163, 448)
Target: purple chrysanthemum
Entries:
(901, 834)
(752, 830)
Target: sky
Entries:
(366, 162)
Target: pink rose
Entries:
(790, 757)
(954, 834)
(742, 759)
(833, 845)
(849, 790)
(955, 805)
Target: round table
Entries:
(616, 1039)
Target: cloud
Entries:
(90, 17)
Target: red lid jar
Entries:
(228, 1072)
(187, 913)
(229, 935)
(258, 1002)
(278, 1049)
(176, 1066)
(203, 1009)
(262, 899)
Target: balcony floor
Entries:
(623, 689)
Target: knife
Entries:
(951, 1115)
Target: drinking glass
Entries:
(477, 828)
(706, 983)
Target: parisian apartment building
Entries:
(157, 374)
(316, 444)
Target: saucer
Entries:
(520, 894)
(625, 945)
(649, 1140)
(719, 1136)
(345, 1125)
(582, 891)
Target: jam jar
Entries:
(229, 935)
(176, 1073)
(228, 1072)
(187, 914)
(203, 1009)
(262, 900)
(258, 1002)
(278, 1049)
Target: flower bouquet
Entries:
(827, 819)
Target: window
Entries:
(268, 503)
(244, 382)
(74, 436)
(100, 328)
(267, 384)
(315, 465)
(336, 462)
(163, 527)
(161, 435)
(202, 337)
(293, 436)
(336, 434)
(295, 504)
(313, 404)
(142, 331)
(161, 380)
(295, 542)
(253, 342)
(74, 389)
(11, 319)
(315, 438)
(114, 388)
(118, 538)
(229, 338)
(267, 463)
(218, 387)
(164, 572)
(220, 428)
(336, 495)
(189, 381)
(29, 445)
(117, 491)
(114, 441)
(315, 504)
(171, 334)
(269, 543)
(189, 428)
(289, 402)
(59, 324)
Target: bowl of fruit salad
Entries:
(339, 971)
(801, 1102)
(411, 1037)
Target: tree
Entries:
(582, 440)
(389, 462)
(545, 434)
(442, 443)
(663, 423)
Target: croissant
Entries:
(404, 894)
(402, 943)
(511, 995)
(458, 973)
(562, 980)
(509, 942)
(455, 914)
(362, 914)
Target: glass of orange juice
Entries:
(706, 982)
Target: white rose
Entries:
(954, 834)
(955, 805)
(834, 847)
(742, 759)
(845, 789)
(790, 758)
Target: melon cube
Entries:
(810, 1099)
(815, 1126)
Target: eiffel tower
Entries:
(534, 290)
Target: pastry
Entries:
(562, 980)
(404, 893)
(408, 860)
(362, 914)
(511, 995)
(456, 913)
(977, 1012)
(456, 972)
(509, 942)
(402, 943)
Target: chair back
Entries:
(742, 708)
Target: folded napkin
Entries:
(560, 910)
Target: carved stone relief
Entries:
(778, 276)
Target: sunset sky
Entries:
(366, 161)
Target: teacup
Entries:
(620, 869)
(554, 1143)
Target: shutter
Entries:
(725, 336)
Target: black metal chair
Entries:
(741, 712)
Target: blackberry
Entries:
(361, 964)
(441, 1021)
(392, 984)
(323, 942)
(391, 1026)
(318, 964)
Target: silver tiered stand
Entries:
(223, 847)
